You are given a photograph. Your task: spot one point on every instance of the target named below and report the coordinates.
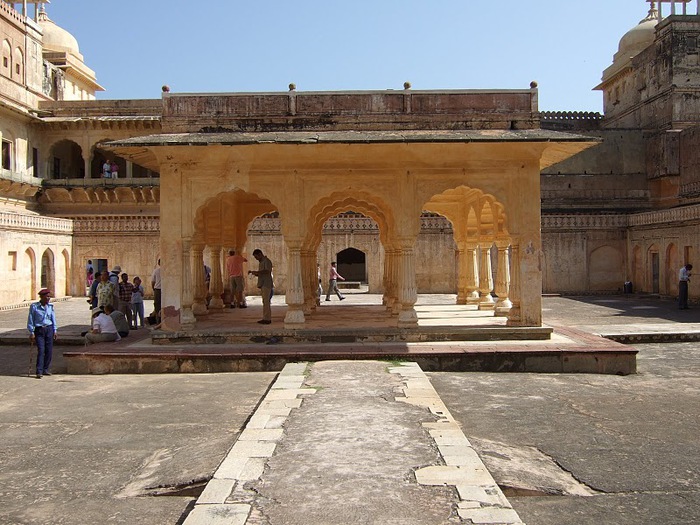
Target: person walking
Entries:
(683, 280)
(155, 284)
(234, 267)
(137, 304)
(333, 283)
(43, 331)
(264, 275)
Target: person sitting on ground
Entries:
(103, 329)
(120, 322)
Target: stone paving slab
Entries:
(299, 469)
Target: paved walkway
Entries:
(361, 442)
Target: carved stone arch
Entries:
(31, 289)
(66, 272)
(653, 268)
(670, 273)
(223, 219)
(98, 157)
(605, 269)
(66, 160)
(48, 270)
(337, 203)
(637, 268)
(18, 65)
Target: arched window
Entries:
(18, 65)
(6, 65)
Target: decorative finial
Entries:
(292, 87)
(407, 85)
(533, 85)
(653, 13)
(166, 89)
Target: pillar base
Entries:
(473, 298)
(503, 307)
(408, 318)
(187, 319)
(487, 303)
(216, 303)
(199, 309)
(294, 318)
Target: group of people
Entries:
(117, 304)
(110, 170)
(112, 296)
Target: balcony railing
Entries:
(20, 176)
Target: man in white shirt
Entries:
(103, 329)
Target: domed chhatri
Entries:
(55, 38)
(639, 37)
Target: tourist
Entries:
(234, 267)
(103, 329)
(137, 304)
(120, 322)
(90, 277)
(106, 169)
(155, 284)
(264, 275)
(319, 291)
(125, 291)
(42, 327)
(333, 282)
(114, 169)
(105, 291)
(114, 279)
(684, 279)
(92, 295)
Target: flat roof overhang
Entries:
(555, 146)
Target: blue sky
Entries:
(136, 46)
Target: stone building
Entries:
(625, 209)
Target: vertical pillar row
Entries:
(408, 294)
(216, 284)
(187, 319)
(503, 305)
(295, 290)
(199, 304)
(472, 274)
(486, 302)
(514, 315)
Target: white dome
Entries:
(639, 37)
(56, 38)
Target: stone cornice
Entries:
(110, 224)
(34, 223)
(584, 222)
(352, 224)
(665, 217)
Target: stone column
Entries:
(129, 169)
(461, 273)
(503, 305)
(408, 318)
(86, 162)
(309, 279)
(199, 304)
(295, 290)
(514, 317)
(486, 302)
(187, 319)
(216, 284)
(471, 261)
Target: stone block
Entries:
(216, 491)
(261, 434)
(218, 515)
(493, 515)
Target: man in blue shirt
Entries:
(42, 329)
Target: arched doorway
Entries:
(31, 289)
(671, 270)
(66, 161)
(352, 265)
(48, 270)
(653, 260)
